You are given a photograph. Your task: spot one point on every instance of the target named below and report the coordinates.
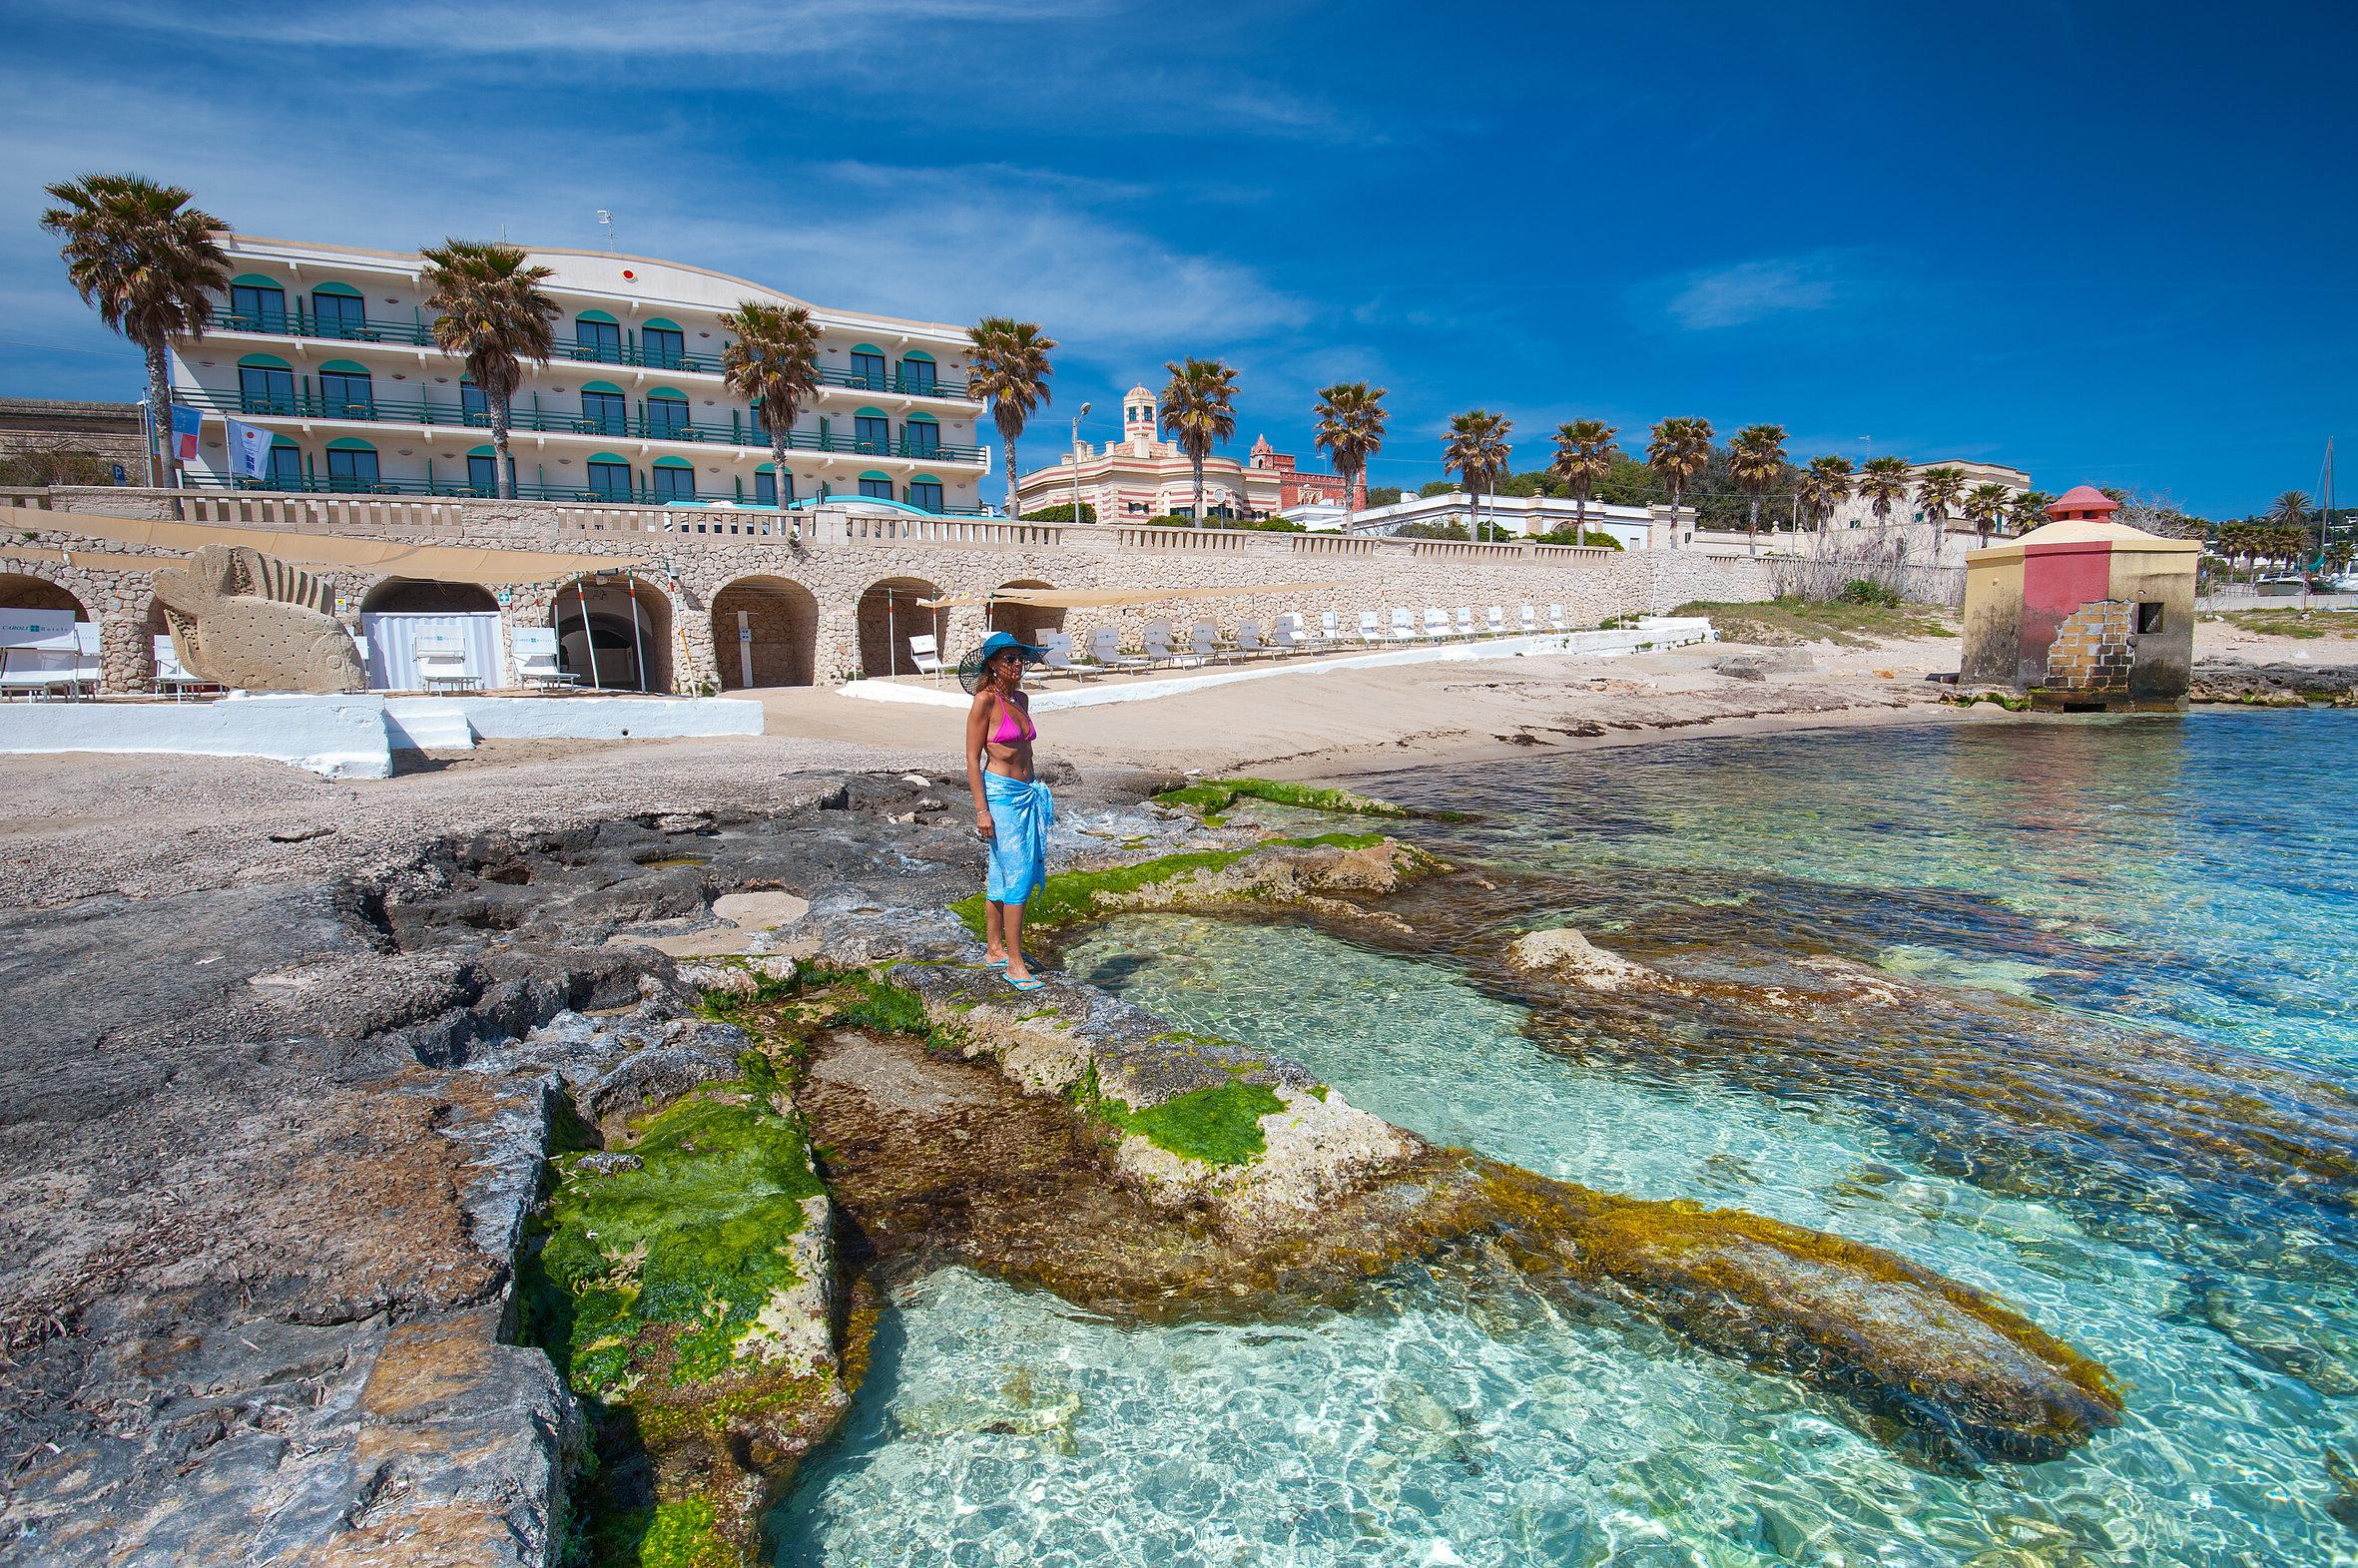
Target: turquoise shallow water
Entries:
(2142, 921)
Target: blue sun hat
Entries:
(970, 668)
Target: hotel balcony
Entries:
(296, 322)
(741, 430)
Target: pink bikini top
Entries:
(1015, 724)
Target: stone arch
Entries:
(1024, 619)
(888, 616)
(627, 643)
(428, 596)
(781, 617)
(22, 591)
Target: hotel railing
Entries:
(637, 495)
(739, 431)
(295, 321)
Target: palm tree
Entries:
(1010, 367)
(1986, 506)
(1199, 408)
(149, 264)
(1477, 447)
(1351, 418)
(1939, 491)
(2029, 510)
(495, 316)
(1680, 449)
(1883, 481)
(1585, 453)
(2291, 510)
(774, 366)
(1756, 461)
(1825, 485)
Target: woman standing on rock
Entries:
(1012, 809)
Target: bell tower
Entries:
(1138, 417)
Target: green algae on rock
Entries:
(1279, 870)
(1210, 798)
(682, 1279)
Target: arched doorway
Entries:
(764, 632)
(890, 613)
(419, 596)
(45, 634)
(615, 633)
(1024, 619)
(405, 620)
(18, 591)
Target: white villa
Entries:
(332, 348)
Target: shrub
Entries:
(1061, 512)
(56, 467)
(1570, 535)
(1864, 591)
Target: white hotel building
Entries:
(332, 347)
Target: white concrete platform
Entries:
(1652, 631)
(355, 736)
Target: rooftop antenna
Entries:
(607, 219)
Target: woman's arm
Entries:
(977, 724)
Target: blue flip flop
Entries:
(1025, 985)
(994, 963)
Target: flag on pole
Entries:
(250, 449)
(186, 424)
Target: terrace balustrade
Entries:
(297, 321)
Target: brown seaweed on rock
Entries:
(935, 1160)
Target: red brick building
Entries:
(1295, 485)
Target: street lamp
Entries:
(1077, 461)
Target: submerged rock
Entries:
(1313, 1196)
(1565, 954)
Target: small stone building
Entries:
(2083, 613)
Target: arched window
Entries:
(917, 372)
(345, 391)
(351, 464)
(667, 412)
(768, 492)
(265, 384)
(337, 310)
(920, 437)
(597, 335)
(257, 304)
(876, 486)
(925, 492)
(662, 345)
(674, 479)
(609, 476)
(872, 432)
(868, 363)
(604, 410)
(483, 470)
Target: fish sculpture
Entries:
(243, 619)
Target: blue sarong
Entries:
(1019, 816)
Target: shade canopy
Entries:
(1092, 599)
(439, 562)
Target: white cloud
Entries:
(1754, 291)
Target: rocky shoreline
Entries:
(394, 1217)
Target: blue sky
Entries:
(2111, 244)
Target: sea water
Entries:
(2178, 882)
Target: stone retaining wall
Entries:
(838, 556)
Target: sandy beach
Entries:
(79, 824)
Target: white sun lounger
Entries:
(1529, 619)
(1370, 629)
(1437, 625)
(1105, 646)
(441, 665)
(1465, 620)
(927, 652)
(1203, 640)
(1158, 649)
(1493, 621)
(1556, 620)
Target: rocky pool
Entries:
(2112, 1080)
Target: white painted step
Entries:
(427, 724)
